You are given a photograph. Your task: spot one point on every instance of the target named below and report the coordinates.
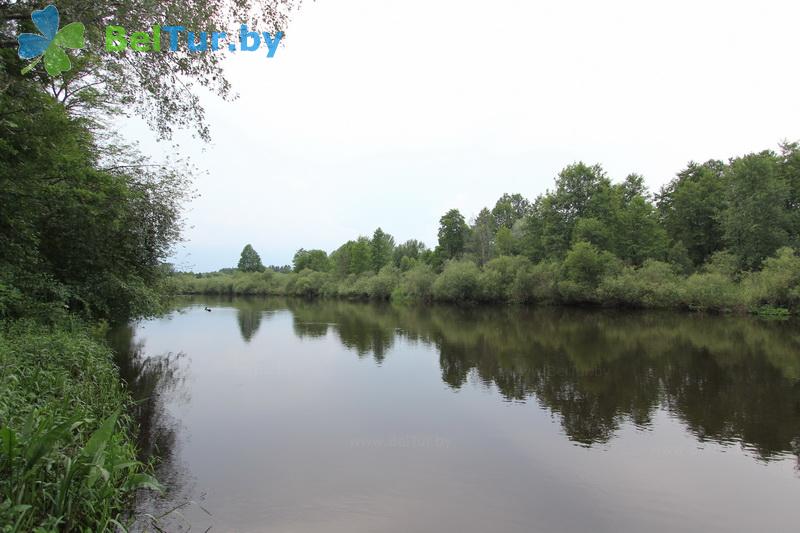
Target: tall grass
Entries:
(67, 456)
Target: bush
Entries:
(416, 284)
(459, 281)
(383, 285)
(711, 292)
(497, 280)
(655, 284)
(777, 284)
(537, 284)
(307, 284)
(582, 270)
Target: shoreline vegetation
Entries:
(719, 237)
(68, 458)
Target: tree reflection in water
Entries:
(727, 379)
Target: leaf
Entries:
(42, 444)
(56, 60)
(71, 36)
(99, 439)
(9, 441)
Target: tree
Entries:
(412, 251)
(582, 191)
(353, 257)
(690, 208)
(509, 209)
(453, 232)
(482, 236)
(756, 221)
(157, 86)
(316, 260)
(505, 243)
(790, 170)
(381, 248)
(81, 234)
(250, 261)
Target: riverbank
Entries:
(586, 276)
(68, 457)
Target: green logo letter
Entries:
(116, 39)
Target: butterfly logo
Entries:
(51, 43)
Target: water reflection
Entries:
(248, 314)
(154, 380)
(729, 379)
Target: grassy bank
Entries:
(585, 276)
(67, 456)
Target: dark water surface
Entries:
(295, 416)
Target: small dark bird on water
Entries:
(208, 309)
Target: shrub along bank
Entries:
(586, 275)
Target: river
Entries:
(295, 416)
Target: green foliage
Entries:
(691, 206)
(353, 257)
(505, 243)
(481, 236)
(316, 260)
(777, 285)
(381, 249)
(416, 284)
(384, 283)
(458, 282)
(499, 275)
(586, 275)
(712, 291)
(453, 234)
(67, 459)
(755, 221)
(409, 253)
(582, 271)
(509, 209)
(90, 225)
(157, 87)
(537, 284)
(587, 207)
(250, 261)
(653, 285)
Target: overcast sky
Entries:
(388, 113)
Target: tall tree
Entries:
(756, 221)
(691, 206)
(481, 242)
(509, 209)
(453, 232)
(381, 248)
(412, 249)
(250, 261)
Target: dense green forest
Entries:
(719, 236)
(86, 225)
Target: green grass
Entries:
(67, 457)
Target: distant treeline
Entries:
(719, 236)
